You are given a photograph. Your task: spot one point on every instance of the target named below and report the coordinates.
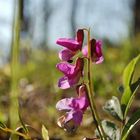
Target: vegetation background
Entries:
(42, 22)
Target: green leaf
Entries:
(113, 107)
(129, 87)
(111, 130)
(135, 85)
(130, 124)
(129, 70)
(128, 96)
(45, 133)
(23, 124)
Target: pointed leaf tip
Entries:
(45, 133)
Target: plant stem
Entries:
(15, 132)
(14, 118)
(91, 94)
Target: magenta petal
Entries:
(63, 83)
(67, 82)
(80, 103)
(77, 117)
(79, 67)
(98, 52)
(66, 54)
(99, 60)
(82, 93)
(80, 36)
(72, 73)
(70, 44)
(68, 116)
(72, 103)
(75, 108)
(66, 68)
(69, 69)
(85, 51)
(79, 64)
(83, 103)
(74, 79)
(64, 104)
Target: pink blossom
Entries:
(71, 45)
(72, 73)
(74, 108)
(96, 51)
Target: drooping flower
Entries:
(74, 108)
(96, 51)
(71, 45)
(72, 73)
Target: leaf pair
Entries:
(129, 94)
(119, 110)
(129, 87)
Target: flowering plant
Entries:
(79, 76)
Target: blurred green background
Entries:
(42, 22)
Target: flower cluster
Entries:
(75, 107)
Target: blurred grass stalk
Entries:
(14, 93)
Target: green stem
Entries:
(14, 118)
(122, 125)
(91, 94)
(16, 133)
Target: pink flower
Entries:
(72, 73)
(71, 45)
(74, 108)
(96, 51)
